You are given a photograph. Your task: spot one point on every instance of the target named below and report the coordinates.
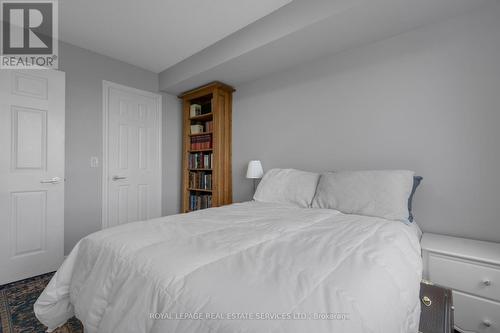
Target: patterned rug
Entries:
(16, 307)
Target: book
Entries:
(209, 126)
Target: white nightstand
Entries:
(472, 270)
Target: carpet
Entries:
(16, 307)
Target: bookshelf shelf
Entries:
(198, 134)
(205, 116)
(200, 150)
(199, 190)
(207, 153)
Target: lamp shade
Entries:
(254, 170)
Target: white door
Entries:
(31, 172)
(132, 156)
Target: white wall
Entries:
(427, 100)
(85, 71)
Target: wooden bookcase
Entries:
(207, 155)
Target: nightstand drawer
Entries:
(474, 278)
(474, 314)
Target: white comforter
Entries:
(248, 267)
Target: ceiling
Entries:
(331, 26)
(156, 34)
(191, 42)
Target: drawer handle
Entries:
(486, 323)
(427, 301)
(487, 283)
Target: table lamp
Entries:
(254, 171)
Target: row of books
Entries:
(208, 126)
(200, 180)
(200, 160)
(200, 201)
(201, 142)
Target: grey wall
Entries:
(85, 71)
(427, 100)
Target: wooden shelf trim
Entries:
(202, 133)
(200, 150)
(199, 189)
(202, 116)
(211, 86)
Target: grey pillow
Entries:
(379, 193)
(288, 186)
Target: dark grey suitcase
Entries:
(436, 304)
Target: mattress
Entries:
(249, 267)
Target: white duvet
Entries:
(248, 267)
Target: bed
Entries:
(247, 267)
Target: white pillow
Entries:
(288, 186)
(380, 193)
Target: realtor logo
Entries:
(29, 34)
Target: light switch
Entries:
(94, 162)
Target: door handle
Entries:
(54, 180)
(115, 178)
